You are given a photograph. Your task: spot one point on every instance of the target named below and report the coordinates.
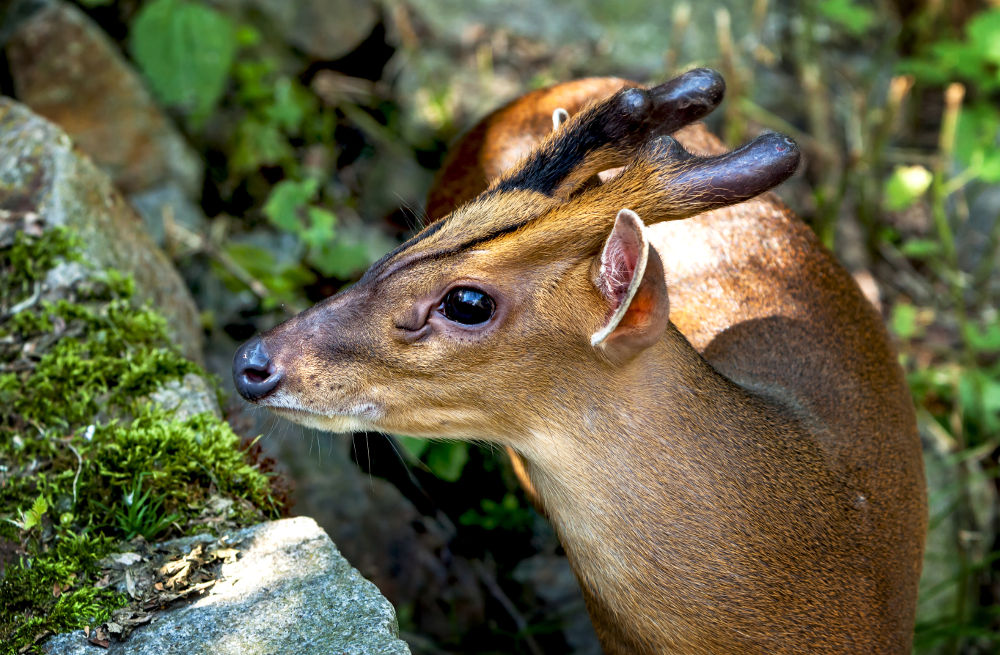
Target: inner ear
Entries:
(630, 279)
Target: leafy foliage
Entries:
(33, 517)
(142, 515)
(185, 49)
(44, 595)
(446, 459)
(854, 17)
(974, 60)
(508, 514)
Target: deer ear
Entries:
(630, 279)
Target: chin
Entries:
(337, 423)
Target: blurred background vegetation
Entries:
(321, 122)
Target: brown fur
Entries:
(751, 483)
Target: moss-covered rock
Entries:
(45, 183)
(87, 457)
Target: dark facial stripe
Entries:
(437, 254)
(376, 269)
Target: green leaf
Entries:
(33, 516)
(185, 50)
(447, 460)
(259, 143)
(340, 258)
(985, 339)
(320, 231)
(976, 141)
(37, 511)
(854, 18)
(508, 514)
(950, 58)
(283, 280)
(252, 80)
(412, 445)
(291, 104)
(286, 202)
(904, 320)
(905, 186)
(979, 396)
(921, 248)
(247, 36)
(983, 34)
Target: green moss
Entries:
(40, 595)
(180, 461)
(85, 459)
(28, 260)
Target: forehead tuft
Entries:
(488, 217)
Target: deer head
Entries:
(511, 309)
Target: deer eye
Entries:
(467, 306)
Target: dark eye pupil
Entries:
(468, 306)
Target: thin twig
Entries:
(490, 582)
(79, 467)
(27, 303)
(180, 234)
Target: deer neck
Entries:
(640, 477)
(643, 426)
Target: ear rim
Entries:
(599, 338)
(559, 116)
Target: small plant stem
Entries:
(818, 101)
(751, 110)
(180, 234)
(79, 467)
(733, 132)
(759, 14)
(951, 273)
(986, 267)
(952, 277)
(489, 581)
(899, 88)
(946, 143)
(880, 126)
(681, 19)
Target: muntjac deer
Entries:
(700, 397)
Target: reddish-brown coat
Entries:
(757, 295)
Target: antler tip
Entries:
(777, 152)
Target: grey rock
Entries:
(168, 202)
(67, 69)
(44, 182)
(633, 35)
(62, 280)
(324, 29)
(187, 397)
(378, 529)
(290, 592)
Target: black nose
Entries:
(253, 371)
